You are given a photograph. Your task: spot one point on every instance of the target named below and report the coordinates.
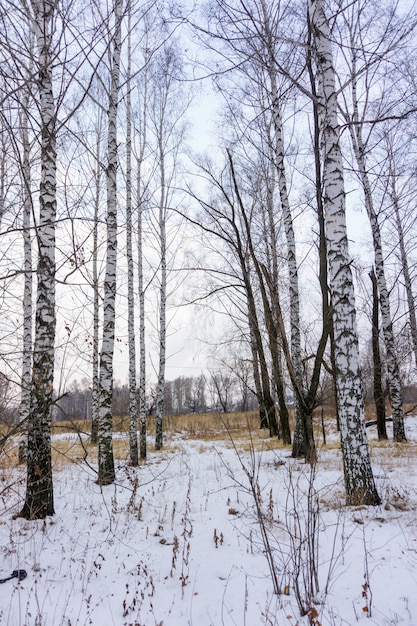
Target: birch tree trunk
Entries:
(24, 408)
(275, 340)
(159, 411)
(379, 398)
(394, 381)
(39, 498)
(95, 401)
(133, 437)
(166, 112)
(106, 473)
(140, 199)
(359, 480)
(323, 269)
(404, 259)
(301, 446)
(394, 195)
(142, 349)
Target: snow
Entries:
(177, 541)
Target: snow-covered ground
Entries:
(177, 542)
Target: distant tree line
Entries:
(218, 392)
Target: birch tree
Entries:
(143, 181)
(169, 104)
(359, 480)
(140, 201)
(36, 72)
(303, 437)
(24, 409)
(142, 344)
(163, 299)
(401, 190)
(363, 62)
(133, 438)
(379, 397)
(95, 401)
(39, 499)
(4, 143)
(106, 472)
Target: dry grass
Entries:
(9, 454)
(71, 439)
(198, 425)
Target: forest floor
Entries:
(192, 536)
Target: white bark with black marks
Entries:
(159, 414)
(142, 342)
(106, 473)
(279, 162)
(359, 480)
(405, 267)
(133, 435)
(95, 400)
(141, 189)
(39, 500)
(394, 380)
(24, 408)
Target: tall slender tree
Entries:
(162, 209)
(106, 472)
(393, 177)
(39, 498)
(133, 437)
(24, 408)
(142, 340)
(359, 480)
(363, 63)
(95, 400)
(143, 180)
(379, 397)
(166, 115)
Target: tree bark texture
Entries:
(106, 472)
(394, 381)
(24, 408)
(263, 415)
(140, 193)
(270, 235)
(142, 340)
(359, 480)
(95, 400)
(133, 412)
(162, 307)
(39, 499)
(405, 265)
